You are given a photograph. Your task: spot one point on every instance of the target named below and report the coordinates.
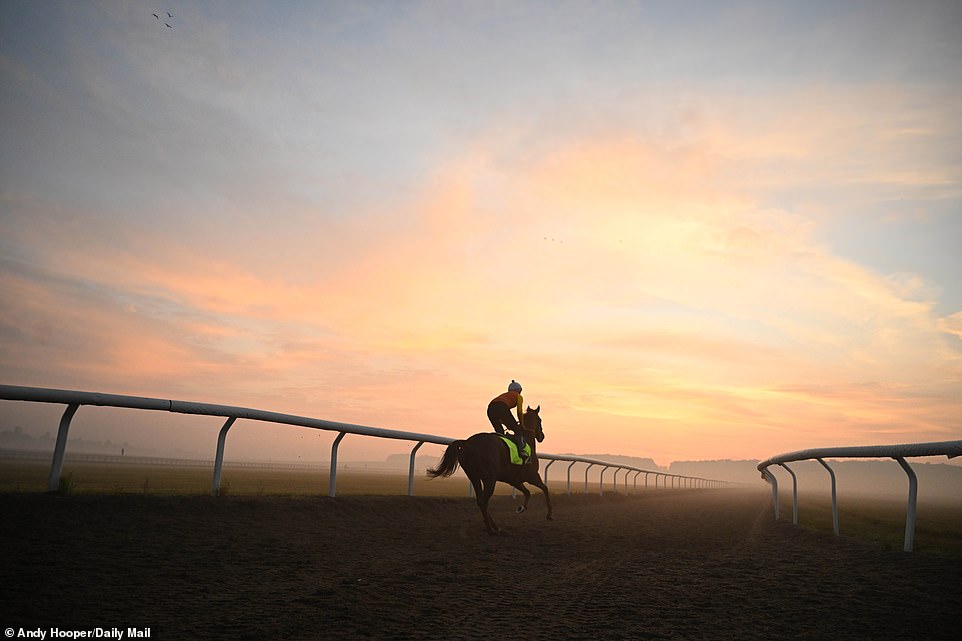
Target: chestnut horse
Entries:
(485, 459)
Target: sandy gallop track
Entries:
(680, 565)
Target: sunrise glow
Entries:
(382, 216)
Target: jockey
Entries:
(499, 413)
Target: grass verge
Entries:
(881, 521)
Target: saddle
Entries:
(513, 450)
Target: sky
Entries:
(692, 231)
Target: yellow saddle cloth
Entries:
(513, 450)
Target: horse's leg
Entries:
(486, 492)
(538, 483)
(482, 497)
(478, 489)
(527, 495)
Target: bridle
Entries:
(537, 433)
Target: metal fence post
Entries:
(831, 473)
(545, 479)
(60, 449)
(411, 469)
(590, 465)
(601, 481)
(332, 486)
(219, 456)
(571, 465)
(766, 473)
(910, 508)
(794, 494)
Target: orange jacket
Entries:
(515, 400)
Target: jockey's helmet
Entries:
(515, 386)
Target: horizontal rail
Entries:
(74, 399)
(898, 453)
(950, 449)
(158, 461)
(70, 397)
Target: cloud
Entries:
(952, 324)
(616, 274)
(290, 225)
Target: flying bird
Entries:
(168, 26)
(168, 15)
(155, 15)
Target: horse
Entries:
(486, 460)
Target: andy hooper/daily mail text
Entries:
(92, 633)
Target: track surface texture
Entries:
(709, 564)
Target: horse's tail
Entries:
(449, 462)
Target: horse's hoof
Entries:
(550, 518)
(520, 509)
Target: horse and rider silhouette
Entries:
(486, 460)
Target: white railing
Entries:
(74, 399)
(897, 452)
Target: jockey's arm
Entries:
(520, 409)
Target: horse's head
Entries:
(532, 423)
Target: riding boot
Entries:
(520, 443)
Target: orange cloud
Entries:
(644, 295)
(952, 324)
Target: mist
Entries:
(939, 479)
